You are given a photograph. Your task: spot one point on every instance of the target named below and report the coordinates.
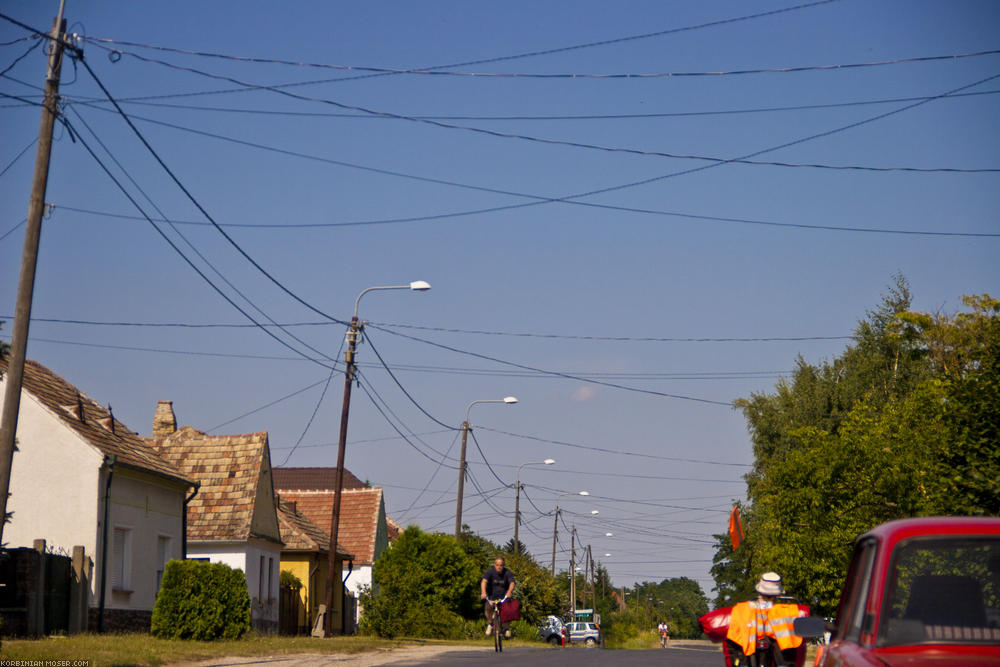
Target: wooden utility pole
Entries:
(29, 260)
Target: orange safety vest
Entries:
(748, 621)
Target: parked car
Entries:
(585, 632)
(553, 631)
(922, 591)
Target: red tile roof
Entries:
(94, 423)
(359, 514)
(229, 468)
(300, 534)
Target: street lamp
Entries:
(555, 526)
(509, 400)
(353, 330)
(517, 499)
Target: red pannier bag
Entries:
(510, 611)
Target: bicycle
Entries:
(498, 626)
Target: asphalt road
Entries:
(702, 654)
(522, 656)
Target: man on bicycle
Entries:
(763, 626)
(497, 584)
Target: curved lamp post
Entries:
(509, 400)
(517, 499)
(353, 329)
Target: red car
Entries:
(919, 592)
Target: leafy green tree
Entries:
(903, 423)
(426, 584)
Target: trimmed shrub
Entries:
(202, 601)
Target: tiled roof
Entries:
(229, 469)
(392, 528)
(300, 534)
(359, 513)
(92, 422)
(313, 479)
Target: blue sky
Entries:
(540, 193)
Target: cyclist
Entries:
(763, 624)
(497, 584)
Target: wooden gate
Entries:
(289, 611)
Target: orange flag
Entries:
(735, 528)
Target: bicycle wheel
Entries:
(498, 636)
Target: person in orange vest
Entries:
(763, 625)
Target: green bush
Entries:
(202, 601)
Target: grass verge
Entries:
(142, 649)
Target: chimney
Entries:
(164, 422)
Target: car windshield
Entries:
(943, 590)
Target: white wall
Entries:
(54, 483)
(246, 557)
(149, 509)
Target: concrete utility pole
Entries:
(29, 260)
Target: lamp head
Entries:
(509, 400)
(549, 462)
(584, 493)
(420, 286)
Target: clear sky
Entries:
(583, 258)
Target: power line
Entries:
(536, 53)
(553, 373)
(21, 57)
(559, 142)
(540, 199)
(111, 46)
(534, 118)
(194, 248)
(184, 257)
(403, 389)
(195, 202)
(617, 452)
(15, 159)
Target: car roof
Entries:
(901, 529)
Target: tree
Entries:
(425, 584)
(903, 423)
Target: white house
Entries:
(233, 518)
(75, 465)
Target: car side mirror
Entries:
(812, 627)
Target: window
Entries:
(942, 589)
(121, 559)
(856, 591)
(260, 580)
(162, 557)
(270, 577)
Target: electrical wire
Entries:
(13, 229)
(187, 259)
(534, 118)
(540, 200)
(112, 45)
(24, 55)
(16, 158)
(616, 452)
(544, 52)
(379, 406)
(483, 454)
(553, 373)
(403, 389)
(558, 142)
(437, 469)
(194, 249)
(268, 405)
(313, 416)
(195, 202)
